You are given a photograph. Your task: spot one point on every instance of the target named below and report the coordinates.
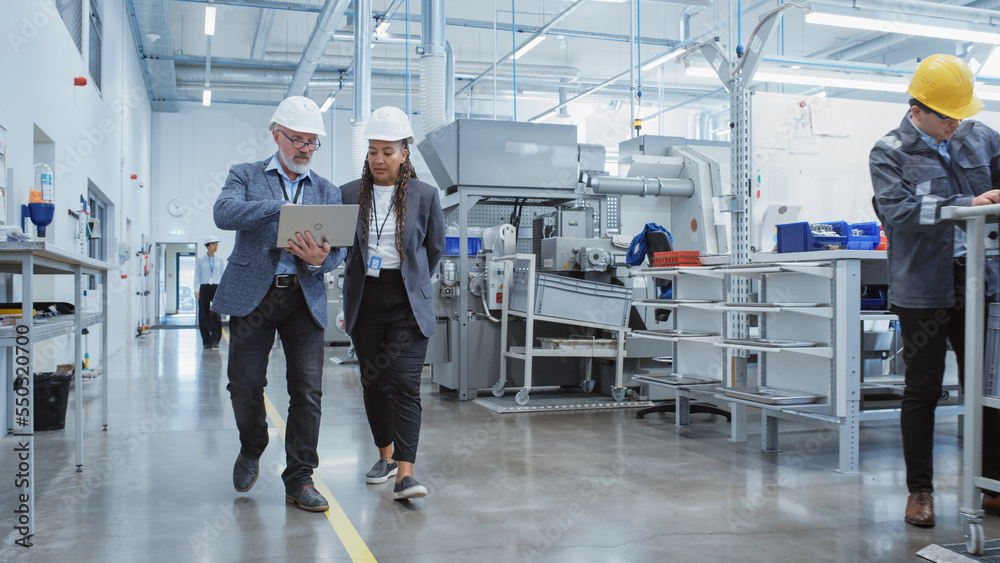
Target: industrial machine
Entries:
(334, 333)
(555, 195)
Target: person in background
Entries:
(934, 159)
(207, 273)
(388, 297)
(267, 289)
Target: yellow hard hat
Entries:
(944, 84)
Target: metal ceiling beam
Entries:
(326, 23)
(456, 22)
(561, 16)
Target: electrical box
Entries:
(494, 286)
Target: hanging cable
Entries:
(513, 46)
(407, 57)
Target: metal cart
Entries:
(529, 351)
(972, 462)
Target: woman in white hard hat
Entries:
(388, 297)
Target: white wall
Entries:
(99, 137)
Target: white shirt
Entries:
(208, 270)
(384, 219)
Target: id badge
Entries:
(374, 266)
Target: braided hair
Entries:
(366, 199)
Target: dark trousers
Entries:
(251, 338)
(391, 351)
(209, 322)
(926, 333)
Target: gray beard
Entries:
(293, 166)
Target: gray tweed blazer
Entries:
(249, 204)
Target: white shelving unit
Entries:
(697, 329)
(809, 352)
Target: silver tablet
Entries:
(334, 224)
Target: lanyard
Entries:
(298, 190)
(378, 229)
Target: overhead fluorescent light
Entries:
(806, 79)
(662, 59)
(991, 66)
(914, 25)
(326, 105)
(528, 46)
(209, 20)
(984, 92)
(206, 97)
(382, 27)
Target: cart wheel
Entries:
(974, 537)
(522, 397)
(587, 385)
(498, 389)
(618, 394)
(945, 394)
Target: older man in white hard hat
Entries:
(266, 289)
(207, 274)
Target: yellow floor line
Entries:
(342, 525)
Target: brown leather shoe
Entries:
(991, 505)
(920, 510)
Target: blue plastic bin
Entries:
(475, 245)
(869, 239)
(798, 237)
(873, 297)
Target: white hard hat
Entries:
(389, 123)
(210, 240)
(299, 114)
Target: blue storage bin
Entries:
(798, 237)
(869, 239)
(475, 245)
(873, 297)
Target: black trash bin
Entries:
(51, 399)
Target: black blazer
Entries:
(423, 242)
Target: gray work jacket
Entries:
(912, 182)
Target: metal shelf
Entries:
(48, 328)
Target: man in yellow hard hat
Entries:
(934, 159)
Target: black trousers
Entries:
(209, 322)
(926, 333)
(251, 338)
(391, 351)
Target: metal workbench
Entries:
(32, 259)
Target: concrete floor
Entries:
(580, 487)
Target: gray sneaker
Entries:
(408, 488)
(381, 472)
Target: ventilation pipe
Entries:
(642, 187)
(326, 24)
(362, 83)
(433, 66)
(449, 85)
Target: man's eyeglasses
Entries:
(299, 145)
(941, 116)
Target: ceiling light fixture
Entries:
(531, 44)
(326, 105)
(206, 97)
(382, 27)
(913, 25)
(209, 20)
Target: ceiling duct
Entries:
(326, 24)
